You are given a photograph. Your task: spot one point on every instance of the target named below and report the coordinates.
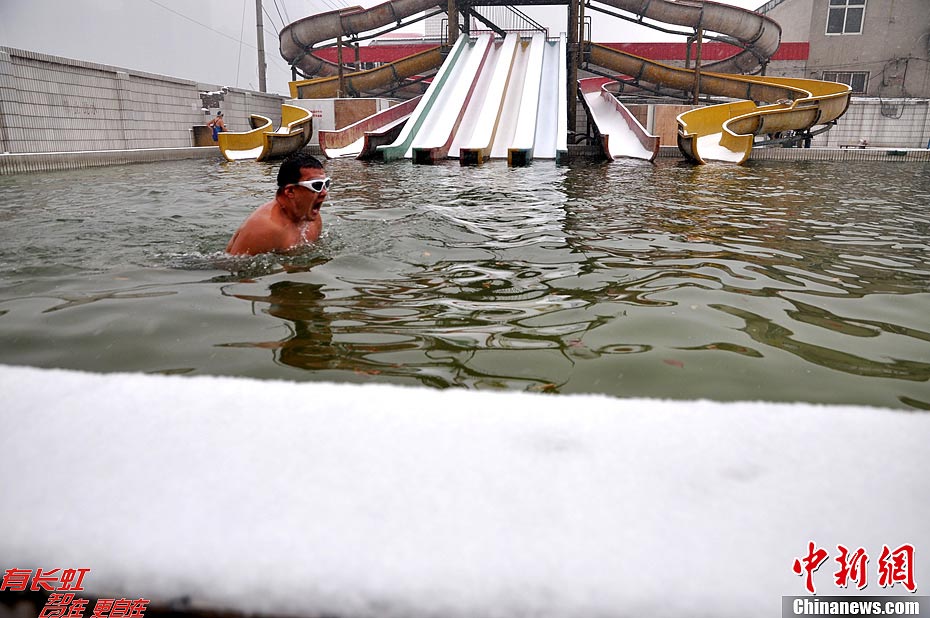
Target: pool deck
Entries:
(21, 163)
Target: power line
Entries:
(278, 9)
(276, 59)
(268, 15)
(191, 19)
(330, 5)
(241, 30)
(238, 41)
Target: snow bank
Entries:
(347, 500)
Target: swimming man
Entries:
(293, 217)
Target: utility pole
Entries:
(453, 12)
(697, 66)
(341, 71)
(699, 37)
(574, 53)
(259, 30)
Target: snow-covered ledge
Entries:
(344, 500)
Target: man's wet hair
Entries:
(290, 170)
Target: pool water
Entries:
(779, 281)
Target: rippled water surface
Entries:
(805, 281)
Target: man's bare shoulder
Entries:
(260, 233)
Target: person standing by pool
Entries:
(293, 217)
(218, 125)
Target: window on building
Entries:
(845, 16)
(857, 80)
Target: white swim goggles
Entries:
(317, 185)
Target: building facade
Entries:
(881, 48)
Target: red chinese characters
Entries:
(120, 608)
(897, 567)
(894, 567)
(64, 604)
(809, 564)
(852, 567)
(17, 580)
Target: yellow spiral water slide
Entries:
(770, 104)
(725, 132)
(263, 142)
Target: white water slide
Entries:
(491, 99)
(621, 134)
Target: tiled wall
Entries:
(53, 104)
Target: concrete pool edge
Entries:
(21, 163)
(887, 154)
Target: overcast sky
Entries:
(210, 41)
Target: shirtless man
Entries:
(218, 125)
(292, 217)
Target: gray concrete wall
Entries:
(55, 104)
(793, 17)
(893, 47)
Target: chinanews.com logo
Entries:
(893, 567)
(62, 587)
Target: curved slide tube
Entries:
(262, 143)
(295, 132)
(299, 38)
(621, 134)
(759, 34)
(246, 145)
(799, 105)
(370, 80)
(356, 139)
(725, 132)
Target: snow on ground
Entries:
(347, 500)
